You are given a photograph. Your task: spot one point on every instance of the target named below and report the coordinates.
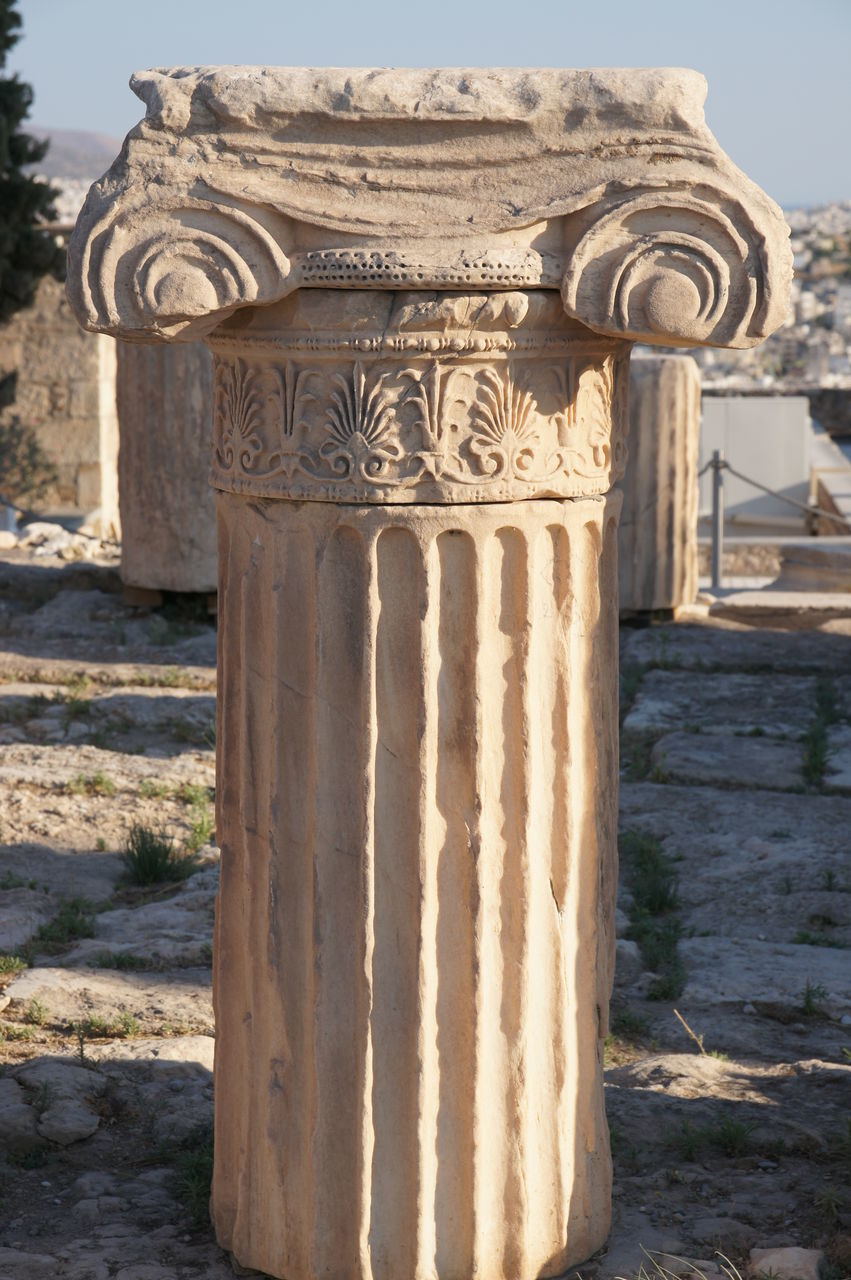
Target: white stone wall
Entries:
(66, 392)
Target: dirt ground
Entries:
(729, 1063)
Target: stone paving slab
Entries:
(87, 624)
(728, 702)
(723, 759)
(729, 646)
(838, 771)
(172, 998)
(786, 854)
(43, 668)
(173, 1077)
(788, 609)
(814, 827)
(724, 971)
(45, 712)
(665, 1103)
(52, 767)
(178, 930)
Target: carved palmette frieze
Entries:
(442, 427)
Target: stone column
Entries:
(420, 288)
(418, 811)
(657, 537)
(168, 519)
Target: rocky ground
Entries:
(729, 1062)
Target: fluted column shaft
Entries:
(657, 539)
(417, 788)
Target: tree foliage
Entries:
(27, 250)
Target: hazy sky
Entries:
(779, 71)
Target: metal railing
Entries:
(718, 464)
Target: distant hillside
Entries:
(74, 153)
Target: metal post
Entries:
(717, 517)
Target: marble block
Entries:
(168, 518)
(657, 538)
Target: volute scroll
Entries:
(681, 266)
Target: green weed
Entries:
(122, 960)
(828, 1202)
(811, 997)
(193, 793)
(827, 705)
(194, 1173)
(10, 881)
(97, 784)
(36, 1013)
(688, 1140)
(653, 924)
(35, 1159)
(150, 858)
(203, 830)
(626, 1023)
(652, 878)
(73, 920)
(125, 1026)
(731, 1136)
(815, 754)
(808, 938)
(724, 1135)
(815, 743)
(630, 680)
(152, 789)
(76, 709)
(14, 1031)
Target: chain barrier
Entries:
(808, 508)
(718, 464)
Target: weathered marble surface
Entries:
(657, 537)
(167, 517)
(245, 183)
(436, 933)
(417, 398)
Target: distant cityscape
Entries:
(813, 349)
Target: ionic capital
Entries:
(243, 184)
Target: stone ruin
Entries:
(167, 517)
(66, 393)
(420, 289)
(657, 532)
